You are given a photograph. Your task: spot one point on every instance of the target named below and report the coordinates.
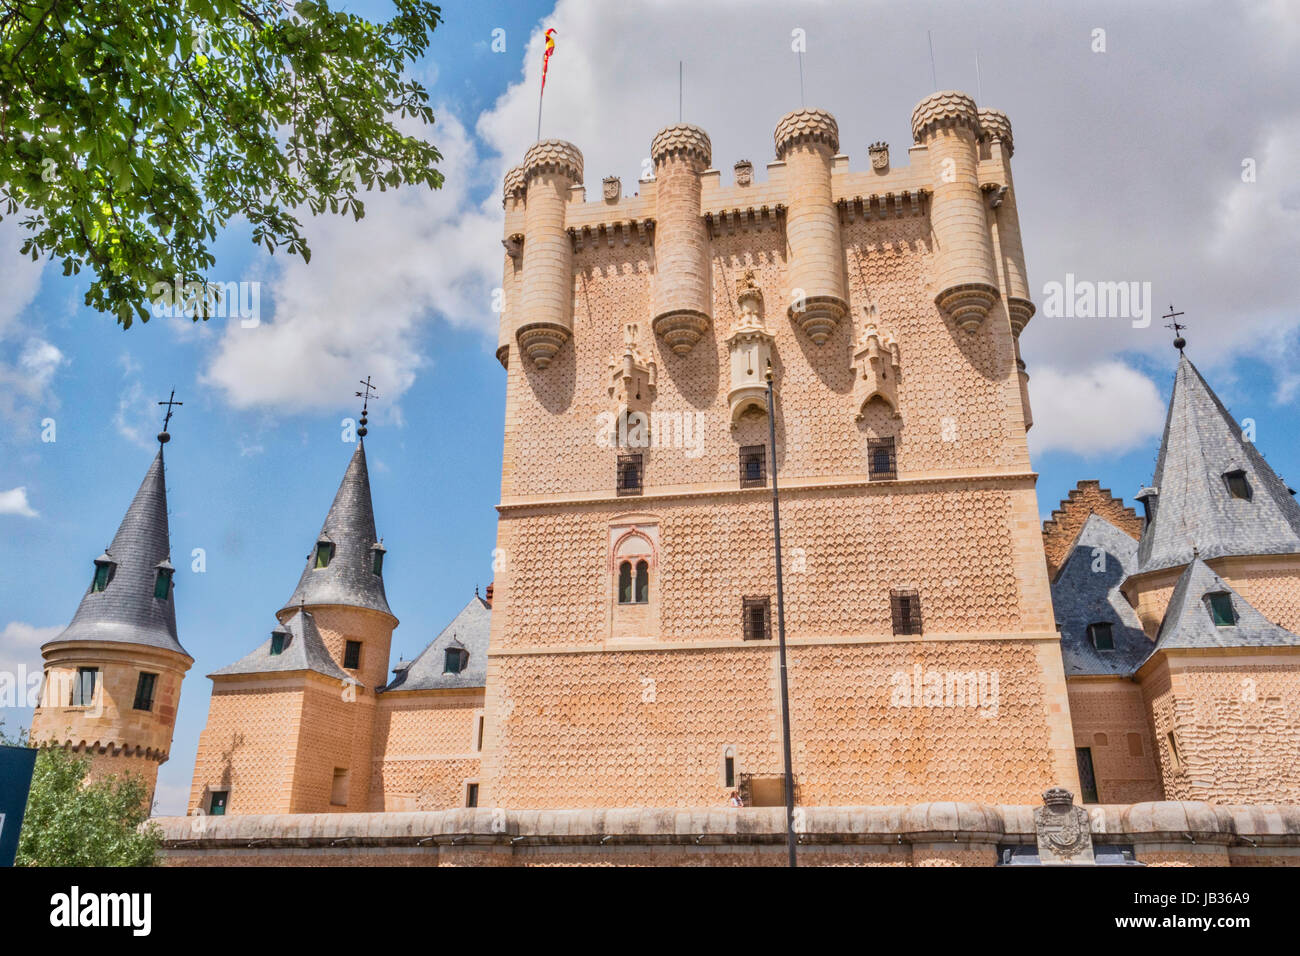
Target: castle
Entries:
(626, 655)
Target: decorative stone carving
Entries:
(1020, 312)
(541, 341)
(750, 344)
(632, 378)
(967, 304)
(945, 108)
(995, 127)
(1063, 830)
(806, 126)
(613, 188)
(879, 153)
(515, 186)
(876, 367)
(744, 173)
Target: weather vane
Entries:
(1177, 326)
(163, 437)
(365, 405)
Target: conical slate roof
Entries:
(1086, 591)
(469, 629)
(126, 611)
(349, 579)
(303, 649)
(1195, 512)
(1189, 622)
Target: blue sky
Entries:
(1127, 167)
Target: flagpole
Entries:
(540, 93)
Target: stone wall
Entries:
(937, 834)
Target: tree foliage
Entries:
(73, 822)
(130, 132)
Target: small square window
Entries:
(881, 461)
(1101, 636)
(101, 576)
(277, 642)
(144, 688)
(753, 466)
(217, 800)
(352, 655)
(1221, 609)
(905, 610)
(162, 584)
(758, 618)
(629, 475)
(1238, 485)
(471, 795)
(324, 554)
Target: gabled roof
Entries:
(1188, 622)
(470, 629)
(126, 611)
(1086, 591)
(1194, 510)
(303, 650)
(349, 579)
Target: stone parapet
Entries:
(922, 834)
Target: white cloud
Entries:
(135, 413)
(14, 502)
(20, 670)
(20, 278)
(1107, 408)
(362, 305)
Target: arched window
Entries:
(642, 582)
(625, 582)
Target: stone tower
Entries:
(632, 658)
(113, 676)
(291, 725)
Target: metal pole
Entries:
(780, 631)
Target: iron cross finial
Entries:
(365, 397)
(163, 437)
(1177, 326)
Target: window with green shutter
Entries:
(101, 577)
(1221, 609)
(324, 554)
(162, 584)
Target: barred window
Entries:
(905, 606)
(758, 618)
(629, 475)
(753, 466)
(881, 460)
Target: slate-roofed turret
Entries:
(348, 576)
(121, 604)
(1203, 458)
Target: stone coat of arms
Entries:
(1064, 834)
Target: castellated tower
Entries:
(113, 677)
(291, 725)
(632, 656)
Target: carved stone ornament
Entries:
(632, 375)
(744, 173)
(750, 345)
(1063, 830)
(876, 367)
(613, 188)
(879, 153)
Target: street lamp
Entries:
(780, 629)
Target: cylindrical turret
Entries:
(948, 124)
(995, 129)
(545, 318)
(806, 140)
(683, 272)
(513, 201)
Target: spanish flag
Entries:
(546, 57)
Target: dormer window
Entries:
(103, 572)
(1238, 485)
(324, 553)
(162, 584)
(1101, 636)
(278, 637)
(1221, 609)
(377, 552)
(456, 658)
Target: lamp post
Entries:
(780, 630)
